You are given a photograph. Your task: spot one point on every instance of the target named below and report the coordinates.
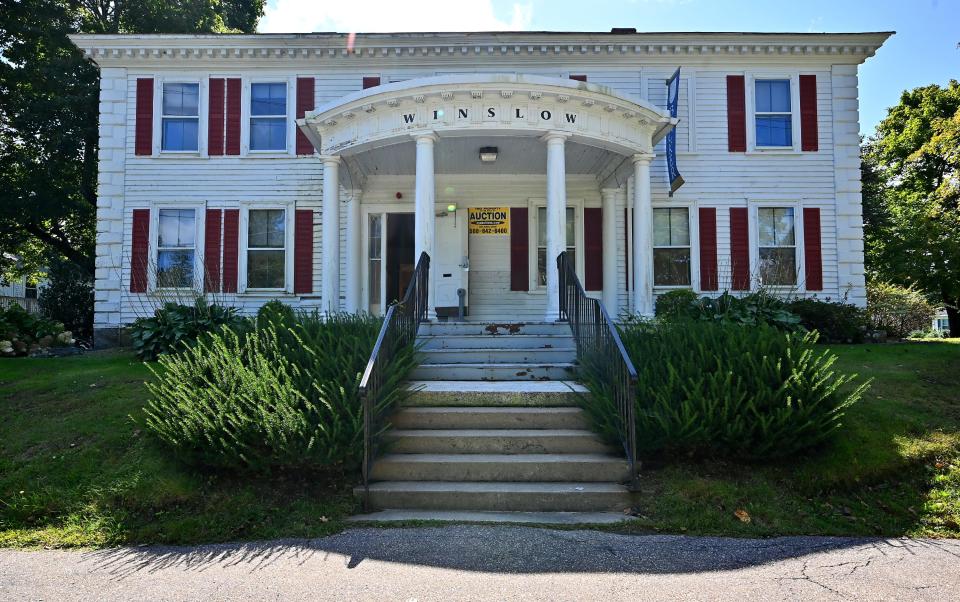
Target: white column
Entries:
(354, 252)
(556, 218)
(426, 214)
(642, 236)
(609, 210)
(330, 277)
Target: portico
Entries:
(565, 131)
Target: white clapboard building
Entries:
(316, 168)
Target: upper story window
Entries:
(773, 113)
(180, 117)
(777, 242)
(266, 249)
(268, 116)
(542, 242)
(176, 247)
(671, 247)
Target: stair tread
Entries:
(494, 336)
(472, 432)
(488, 410)
(497, 349)
(493, 516)
(488, 386)
(505, 365)
(501, 458)
(499, 486)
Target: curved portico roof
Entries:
(486, 105)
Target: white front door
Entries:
(451, 262)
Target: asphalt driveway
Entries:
(495, 563)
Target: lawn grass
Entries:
(894, 469)
(78, 469)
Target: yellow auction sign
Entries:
(489, 220)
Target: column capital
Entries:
(328, 159)
(426, 137)
(610, 193)
(643, 158)
(555, 137)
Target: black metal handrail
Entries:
(600, 349)
(399, 330)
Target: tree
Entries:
(912, 196)
(48, 114)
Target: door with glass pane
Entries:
(390, 258)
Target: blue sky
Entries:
(923, 51)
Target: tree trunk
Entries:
(953, 314)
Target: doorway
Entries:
(400, 255)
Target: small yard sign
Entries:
(489, 220)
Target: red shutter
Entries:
(579, 78)
(736, 114)
(215, 118)
(144, 127)
(211, 250)
(812, 253)
(627, 228)
(370, 82)
(519, 249)
(231, 243)
(233, 116)
(708, 248)
(304, 103)
(593, 248)
(303, 252)
(808, 113)
(739, 249)
(138, 250)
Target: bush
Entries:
(678, 303)
(836, 322)
(748, 310)
(67, 297)
(272, 398)
(897, 310)
(927, 333)
(174, 325)
(718, 388)
(276, 313)
(22, 332)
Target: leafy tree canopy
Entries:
(911, 174)
(48, 114)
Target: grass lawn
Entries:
(77, 469)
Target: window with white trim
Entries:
(773, 113)
(266, 249)
(176, 247)
(180, 117)
(777, 245)
(268, 117)
(542, 241)
(671, 246)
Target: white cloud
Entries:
(295, 16)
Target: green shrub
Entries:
(718, 388)
(22, 332)
(836, 322)
(897, 310)
(67, 297)
(271, 398)
(276, 313)
(676, 304)
(927, 333)
(174, 325)
(747, 310)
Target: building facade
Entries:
(316, 168)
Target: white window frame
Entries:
(245, 208)
(202, 110)
(693, 228)
(198, 241)
(533, 206)
(754, 227)
(750, 94)
(245, 115)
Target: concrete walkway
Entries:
(495, 563)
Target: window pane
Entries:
(375, 236)
(265, 269)
(661, 227)
(772, 96)
(268, 99)
(542, 266)
(541, 226)
(181, 99)
(775, 226)
(774, 130)
(268, 134)
(179, 134)
(266, 228)
(177, 228)
(778, 266)
(175, 269)
(671, 267)
(783, 222)
(766, 227)
(671, 227)
(571, 224)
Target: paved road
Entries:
(495, 563)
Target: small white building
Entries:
(315, 168)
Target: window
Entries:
(176, 247)
(30, 290)
(266, 254)
(542, 242)
(268, 117)
(943, 324)
(671, 247)
(180, 117)
(375, 242)
(772, 113)
(777, 244)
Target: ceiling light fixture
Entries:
(488, 154)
